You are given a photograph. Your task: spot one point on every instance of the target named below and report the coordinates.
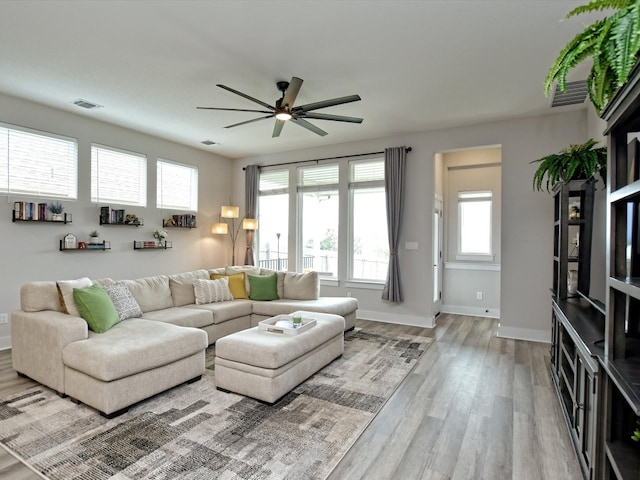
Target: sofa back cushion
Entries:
(151, 293)
(301, 286)
(181, 285)
(39, 296)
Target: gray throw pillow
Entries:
(123, 300)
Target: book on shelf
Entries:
(31, 211)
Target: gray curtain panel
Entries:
(252, 184)
(395, 160)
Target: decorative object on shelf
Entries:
(160, 236)
(151, 245)
(577, 162)
(636, 433)
(612, 42)
(574, 212)
(222, 227)
(186, 220)
(572, 282)
(94, 237)
(56, 209)
(70, 241)
(131, 219)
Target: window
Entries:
(177, 186)
(319, 225)
(118, 176)
(474, 223)
(273, 219)
(369, 243)
(38, 164)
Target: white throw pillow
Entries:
(210, 291)
(65, 292)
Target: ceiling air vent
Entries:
(86, 104)
(575, 94)
(209, 142)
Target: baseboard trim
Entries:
(528, 334)
(410, 320)
(5, 343)
(472, 311)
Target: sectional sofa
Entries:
(161, 343)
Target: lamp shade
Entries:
(229, 211)
(250, 224)
(219, 229)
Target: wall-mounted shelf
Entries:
(66, 218)
(150, 245)
(122, 224)
(114, 216)
(180, 221)
(88, 247)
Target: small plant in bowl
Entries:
(94, 237)
(56, 209)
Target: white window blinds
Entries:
(38, 164)
(274, 182)
(319, 177)
(118, 176)
(177, 186)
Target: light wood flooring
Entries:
(474, 407)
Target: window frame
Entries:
(193, 187)
(353, 186)
(483, 195)
(70, 190)
(142, 177)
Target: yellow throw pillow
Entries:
(236, 284)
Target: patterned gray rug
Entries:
(197, 432)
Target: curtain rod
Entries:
(407, 149)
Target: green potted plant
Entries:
(94, 237)
(582, 161)
(613, 44)
(56, 209)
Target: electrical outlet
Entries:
(478, 295)
(4, 318)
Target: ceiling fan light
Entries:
(284, 116)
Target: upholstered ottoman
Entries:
(266, 365)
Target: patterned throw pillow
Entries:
(123, 300)
(210, 291)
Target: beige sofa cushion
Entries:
(132, 346)
(337, 305)
(223, 311)
(39, 296)
(182, 316)
(301, 286)
(151, 293)
(181, 285)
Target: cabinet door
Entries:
(585, 411)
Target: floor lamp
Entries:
(222, 227)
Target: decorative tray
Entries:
(284, 324)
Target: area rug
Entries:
(197, 432)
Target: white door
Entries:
(437, 255)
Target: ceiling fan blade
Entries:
(336, 118)
(292, 92)
(249, 121)
(277, 128)
(246, 96)
(309, 126)
(232, 109)
(327, 103)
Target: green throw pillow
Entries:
(96, 307)
(263, 287)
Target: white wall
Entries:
(526, 216)
(30, 251)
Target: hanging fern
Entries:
(613, 43)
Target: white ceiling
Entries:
(418, 65)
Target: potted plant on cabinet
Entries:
(573, 163)
(612, 42)
(56, 209)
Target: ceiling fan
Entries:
(284, 110)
